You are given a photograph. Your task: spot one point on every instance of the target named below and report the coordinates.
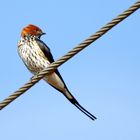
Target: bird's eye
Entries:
(38, 32)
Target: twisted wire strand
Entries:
(70, 54)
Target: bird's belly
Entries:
(54, 80)
(33, 59)
(37, 64)
(36, 61)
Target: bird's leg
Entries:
(35, 76)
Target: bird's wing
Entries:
(46, 50)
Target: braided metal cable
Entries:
(69, 55)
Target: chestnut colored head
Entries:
(32, 30)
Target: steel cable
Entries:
(70, 54)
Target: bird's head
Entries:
(32, 30)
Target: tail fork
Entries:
(85, 111)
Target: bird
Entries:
(36, 56)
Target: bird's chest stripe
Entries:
(33, 57)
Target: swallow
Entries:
(37, 56)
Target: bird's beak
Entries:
(43, 33)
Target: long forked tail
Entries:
(84, 111)
(71, 98)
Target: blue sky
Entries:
(105, 77)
